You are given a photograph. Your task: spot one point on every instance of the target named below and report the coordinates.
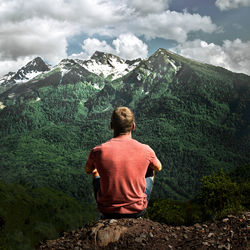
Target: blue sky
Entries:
(211, 31)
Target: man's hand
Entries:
(157, 166)
(89, 167)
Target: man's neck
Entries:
(127, 135)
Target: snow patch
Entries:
(64, 71)
(28, 76)
(172, 62)
(114, 67)
(2, 106)
(37, 100)
(144, 92)
(11, 95)
(96, 86)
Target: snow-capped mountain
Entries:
(108, 65)
(6, 79)
(26, 73)
(101, 64)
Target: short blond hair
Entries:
(122, 120)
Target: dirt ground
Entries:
(232, 232)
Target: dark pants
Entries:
(148, 190)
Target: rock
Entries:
(174, 235)
(185, 236)
(151, 235)
(232, 233)
(138, 239)
(112, 221)
(109, 234)
(210, 235)
(143, 235)
(228, 246)
(198, 226)
(205, 243)
(221, 246)
(225, 220)
(79, 243)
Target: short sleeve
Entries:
(152, 156)
(91, 155)
(94, 155)
(90, 166)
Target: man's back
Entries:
(122, 164)
(119, 167)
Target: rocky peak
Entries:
(110, 65)
(27, 72)
(132, 62)
(105, 58)
(162, 58)
(37, 65)
(67, 63)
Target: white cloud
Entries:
(91, 45)
(34, 37)
(83, 12)
(231, 4)
(170, 25)
(232, 55)
(155, 6)
(126, 46)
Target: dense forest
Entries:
(195, 116)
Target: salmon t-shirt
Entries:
(122, 164)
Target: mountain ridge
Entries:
(99, 63)
(99, 58)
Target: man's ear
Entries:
(133, 128)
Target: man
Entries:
(121, 169)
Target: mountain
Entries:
(109, 65)
(194, 115)
(29, 71)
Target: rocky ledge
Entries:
(232, 232)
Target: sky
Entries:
(211, 31)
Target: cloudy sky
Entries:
(212, 31)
